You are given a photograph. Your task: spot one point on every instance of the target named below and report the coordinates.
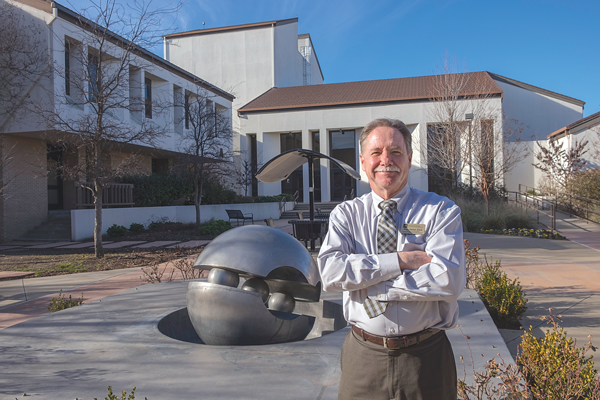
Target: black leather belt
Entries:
(396, 342)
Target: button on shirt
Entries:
(420, 299)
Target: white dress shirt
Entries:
(420, 299)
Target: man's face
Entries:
(385, 161)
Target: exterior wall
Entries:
(288, 61)
(247, 62)
(25, 198)
(416, 116)
(35, 94)
(524, 173)
(540, 114)
(527, 174)
(26, 202)
(240, 61)
(82, 221)
(591, 133)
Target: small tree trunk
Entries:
(98, 250)
(486, 197)
(197, 199)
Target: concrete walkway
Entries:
(562, 275)
(559, 274)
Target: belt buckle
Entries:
(385, 340)
(405, 341)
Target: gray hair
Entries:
(390, 123)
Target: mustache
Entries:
(390, 168)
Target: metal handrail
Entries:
(281, 206)
(570, 205)
(538, 203)
(296, 196)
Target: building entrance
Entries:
(55, 181)
(343, 147)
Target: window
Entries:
(342, 145)
(253, 163)
(94, 77)
(487, 152)
(67, 68)
(316, 146)
(148, 97)
(294, 182)
(187, 110)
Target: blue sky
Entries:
(553, 44)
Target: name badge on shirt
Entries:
(413, 229)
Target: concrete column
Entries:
(306, 144)
(325, 187)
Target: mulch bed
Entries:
(49, 262)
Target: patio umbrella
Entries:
(281, 167)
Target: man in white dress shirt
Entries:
(399, 296)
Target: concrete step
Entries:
(57, 227)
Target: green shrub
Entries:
(160, 190)
(112, 396)
(62, 303)
(154, 225)
(215, 227)
(178, 189)
(116, 230)
(555, 368)
(549, 368)
(136, 228)
(503, 298)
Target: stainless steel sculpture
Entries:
(278, 272)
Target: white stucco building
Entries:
(281, 103)
(150, 92)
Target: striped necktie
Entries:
(387, 238)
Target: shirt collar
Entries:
(401, 197)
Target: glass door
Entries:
(343, 147)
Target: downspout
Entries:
(273, 44)
(39, 77)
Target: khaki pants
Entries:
(425, 371)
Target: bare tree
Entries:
(467, 140)
(101, 73)
(560, 165)
(496, 148)
(206, 141)
(444, 150)
(23, 60)
(245, 175)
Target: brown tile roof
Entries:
(379, 91)
(232, 28)
(575, 124)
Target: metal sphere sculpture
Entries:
(278, 272)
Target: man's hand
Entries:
(412, 259)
